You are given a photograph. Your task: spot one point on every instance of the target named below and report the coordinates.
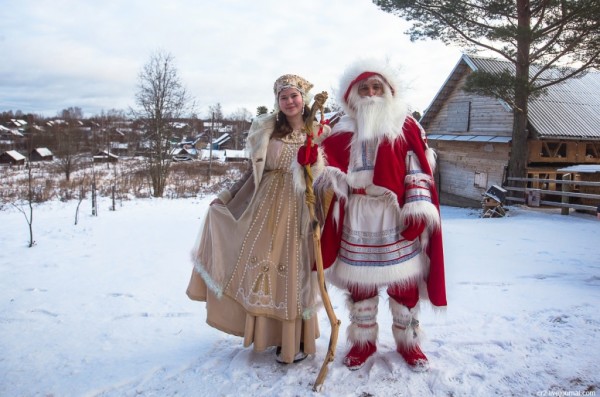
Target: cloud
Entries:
(89, 54)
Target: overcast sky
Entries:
(62, 53)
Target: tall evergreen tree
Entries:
(561, 38)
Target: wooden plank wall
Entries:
(458, 163)
(487, 115)
(564, 152)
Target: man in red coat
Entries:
(382, 228)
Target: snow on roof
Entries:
(104, 154)
(44, 152)
(222, 139)
(19, 122)
(179, 150)
(582, 168)
(238, 154)
(15, 155)
(216, 154)
(11, 131)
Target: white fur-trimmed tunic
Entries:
(379, 187)
(372, 248)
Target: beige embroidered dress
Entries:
(255, 254)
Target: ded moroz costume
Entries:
(382, 227)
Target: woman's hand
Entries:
(217, 201)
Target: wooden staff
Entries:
(316, 229)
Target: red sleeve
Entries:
(331, 236)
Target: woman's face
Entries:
(291, 102)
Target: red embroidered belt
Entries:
(359, 191)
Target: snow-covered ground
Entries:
(99, 309)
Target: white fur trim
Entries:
(431, 158)
(408, 272)
(257, 144)
(421, 210)
(224, 196)
(410, 336)
(381, 67)
(334, 178)
(298, 177)
(210, 282)
(345, 124)
(362, 333)
(317, 168)
(360, 336)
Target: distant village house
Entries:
(104, 156)
(12, 157)
(41, 154)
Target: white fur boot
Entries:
(362, 331)
(407, 334)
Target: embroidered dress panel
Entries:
(272, 254)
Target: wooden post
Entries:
(565, 188)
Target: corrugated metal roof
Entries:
(503, 139)
(570, 110)
(582, 168)
(469, 138)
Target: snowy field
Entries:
(99, 309)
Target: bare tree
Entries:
(161, 98)
(73, 112)
(241, 117)
(68, 140)
(28, 214)
(216, 112)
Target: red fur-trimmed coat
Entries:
(390, 173)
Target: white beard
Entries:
(376, 117)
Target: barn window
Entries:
(481, 179)
(458, 116)
(592, 150)
(554, 149)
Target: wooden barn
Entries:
(41, 154)
(12, 157)
(472, 134)
(104, 156)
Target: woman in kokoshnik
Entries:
(254, 254)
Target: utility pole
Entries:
(212, 126)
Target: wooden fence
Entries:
(535, 192)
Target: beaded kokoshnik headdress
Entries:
(292, 81)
